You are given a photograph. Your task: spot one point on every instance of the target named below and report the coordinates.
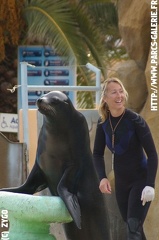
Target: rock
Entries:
(134, 81)
(134, 26)
(152, 118)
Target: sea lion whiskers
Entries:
(46, 109)
(52, 111)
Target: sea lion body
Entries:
(64, 164)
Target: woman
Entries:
(134, 157)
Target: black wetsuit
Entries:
(132, 167)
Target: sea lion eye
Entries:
(65, 102)
(55, 100)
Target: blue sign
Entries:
(50, 69)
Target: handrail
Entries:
(25, 88)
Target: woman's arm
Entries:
(98, 158)
(145, 137)
(98, 151)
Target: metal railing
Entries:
(25, 88)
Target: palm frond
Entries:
(67, 27)
(84, 99)
(90, 33)
(51, 23)
(72, 28)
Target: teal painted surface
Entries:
(30, 216)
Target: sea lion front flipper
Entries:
(69, 198)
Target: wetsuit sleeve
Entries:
(145, 137)
(98, 151)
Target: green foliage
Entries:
(74, 28)
(64, 25)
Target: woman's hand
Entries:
(148, 194)
(104, 186)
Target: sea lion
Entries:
(64, 164)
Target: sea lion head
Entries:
(54, 104)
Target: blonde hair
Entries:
(103, 107)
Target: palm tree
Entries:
(11, 23)
(72, 27)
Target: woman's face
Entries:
(114, 96)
